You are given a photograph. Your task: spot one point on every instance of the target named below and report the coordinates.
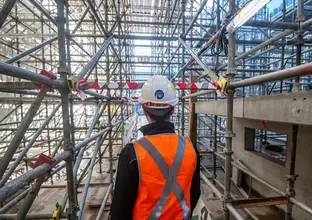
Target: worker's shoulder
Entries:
(129, 146)
(128, 150)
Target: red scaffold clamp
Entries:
(44, 159)
(43, 86)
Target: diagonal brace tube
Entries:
(31, 50)
(109, 189)
(94, 60)
(12, 187)
(86, 188)
(26, 149)
(13, 110)
(81, 20)
(30, 198)
(203, 4)
(5, 10)
(21, 130)
(44, 11)
(208, 71)
(13, 202)
(97, 17)
(96, 117)
(287, 32)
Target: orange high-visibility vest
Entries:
(166, 165)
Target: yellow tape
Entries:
(240, 14)
(72, 83)
(57, 212)
(172, 88)
(112, 108)
(222, 83)
(103, 106)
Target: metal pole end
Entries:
(290, 192)
(230, 90)
(300, 19)
(291, 178)
(299, 40)
(231, 72)
(62, 70)
(229, 134)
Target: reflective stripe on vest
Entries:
(169, 174)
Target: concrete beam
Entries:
(288, 108)
(219, 107)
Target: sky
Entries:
(274, 4)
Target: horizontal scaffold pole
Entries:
(138, 85)
(10, 70)
(301, 70)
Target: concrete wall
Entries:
(273, 172)
(290, 108)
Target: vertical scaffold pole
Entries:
(183, 2)
(291, 176)
(168, 32)
(109, 116)
(120, 65)
(71, 99)
(299, 42)
(68, 146)
(229, 117)
(283, 46)
(215, 121)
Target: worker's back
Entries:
(159, 175)
(166, 164)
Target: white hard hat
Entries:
(158, 90)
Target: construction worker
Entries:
(158, 176)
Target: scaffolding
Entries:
(70, 72)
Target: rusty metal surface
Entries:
(259, 202)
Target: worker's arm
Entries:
(126, 187)
(195, 187)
